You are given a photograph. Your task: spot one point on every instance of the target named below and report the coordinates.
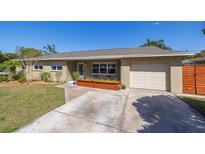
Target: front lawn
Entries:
(196, 103)
(21, 104)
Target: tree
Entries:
(159, 44)
(27, 58)
(10, 67)
(197, 55)
(49, 49)
(7, 56)
(200, 54)
(203, 30)
(1, 57)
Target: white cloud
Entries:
(156, 23)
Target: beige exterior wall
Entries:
(174, 77)
(55, 75)
(125, 72)
(71, 66)
(88, 69)
(122, 70)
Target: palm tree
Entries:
(203, 30)
(49, 49)
(159, 44)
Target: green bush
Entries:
(76, 75)
(45, 76)
(19, 75)
(22, 79)
(123, 86)
(3, 78)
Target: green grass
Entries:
(21, 104)
(196, 103)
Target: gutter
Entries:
(116, 56)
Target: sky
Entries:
(77, 36)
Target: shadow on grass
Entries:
(168, 114)
(195, 103)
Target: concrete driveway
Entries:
(119, 111)
(94, 111)
(158, 111)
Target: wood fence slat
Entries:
(194, 79)
(189, 79)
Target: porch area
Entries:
(95, 69)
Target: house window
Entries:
(38, 66)
(56, 66)
(111, 68)
(96, 68)
(104, 68)
(80, 68)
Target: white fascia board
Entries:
(118, 56)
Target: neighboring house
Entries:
(2, 72)
(143, 67)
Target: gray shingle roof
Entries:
(114, 53)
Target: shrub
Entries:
(3, 78)
(123, 86)
(45, 76)
(76, 75)
(19, 75)
(22, 79)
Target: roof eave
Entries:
(117, 56)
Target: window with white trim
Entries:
(38, 66)
(111, 68)
(104, 68)
(56, 66)
(96, 68)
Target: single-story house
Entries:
(143, 67)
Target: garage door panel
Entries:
(149, 76)
(147, 68)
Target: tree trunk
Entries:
(30, 72)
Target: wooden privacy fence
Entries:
(194, 79)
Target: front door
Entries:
(80, 69)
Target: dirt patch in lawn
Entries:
(9, 84)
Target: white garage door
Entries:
(149, 76)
